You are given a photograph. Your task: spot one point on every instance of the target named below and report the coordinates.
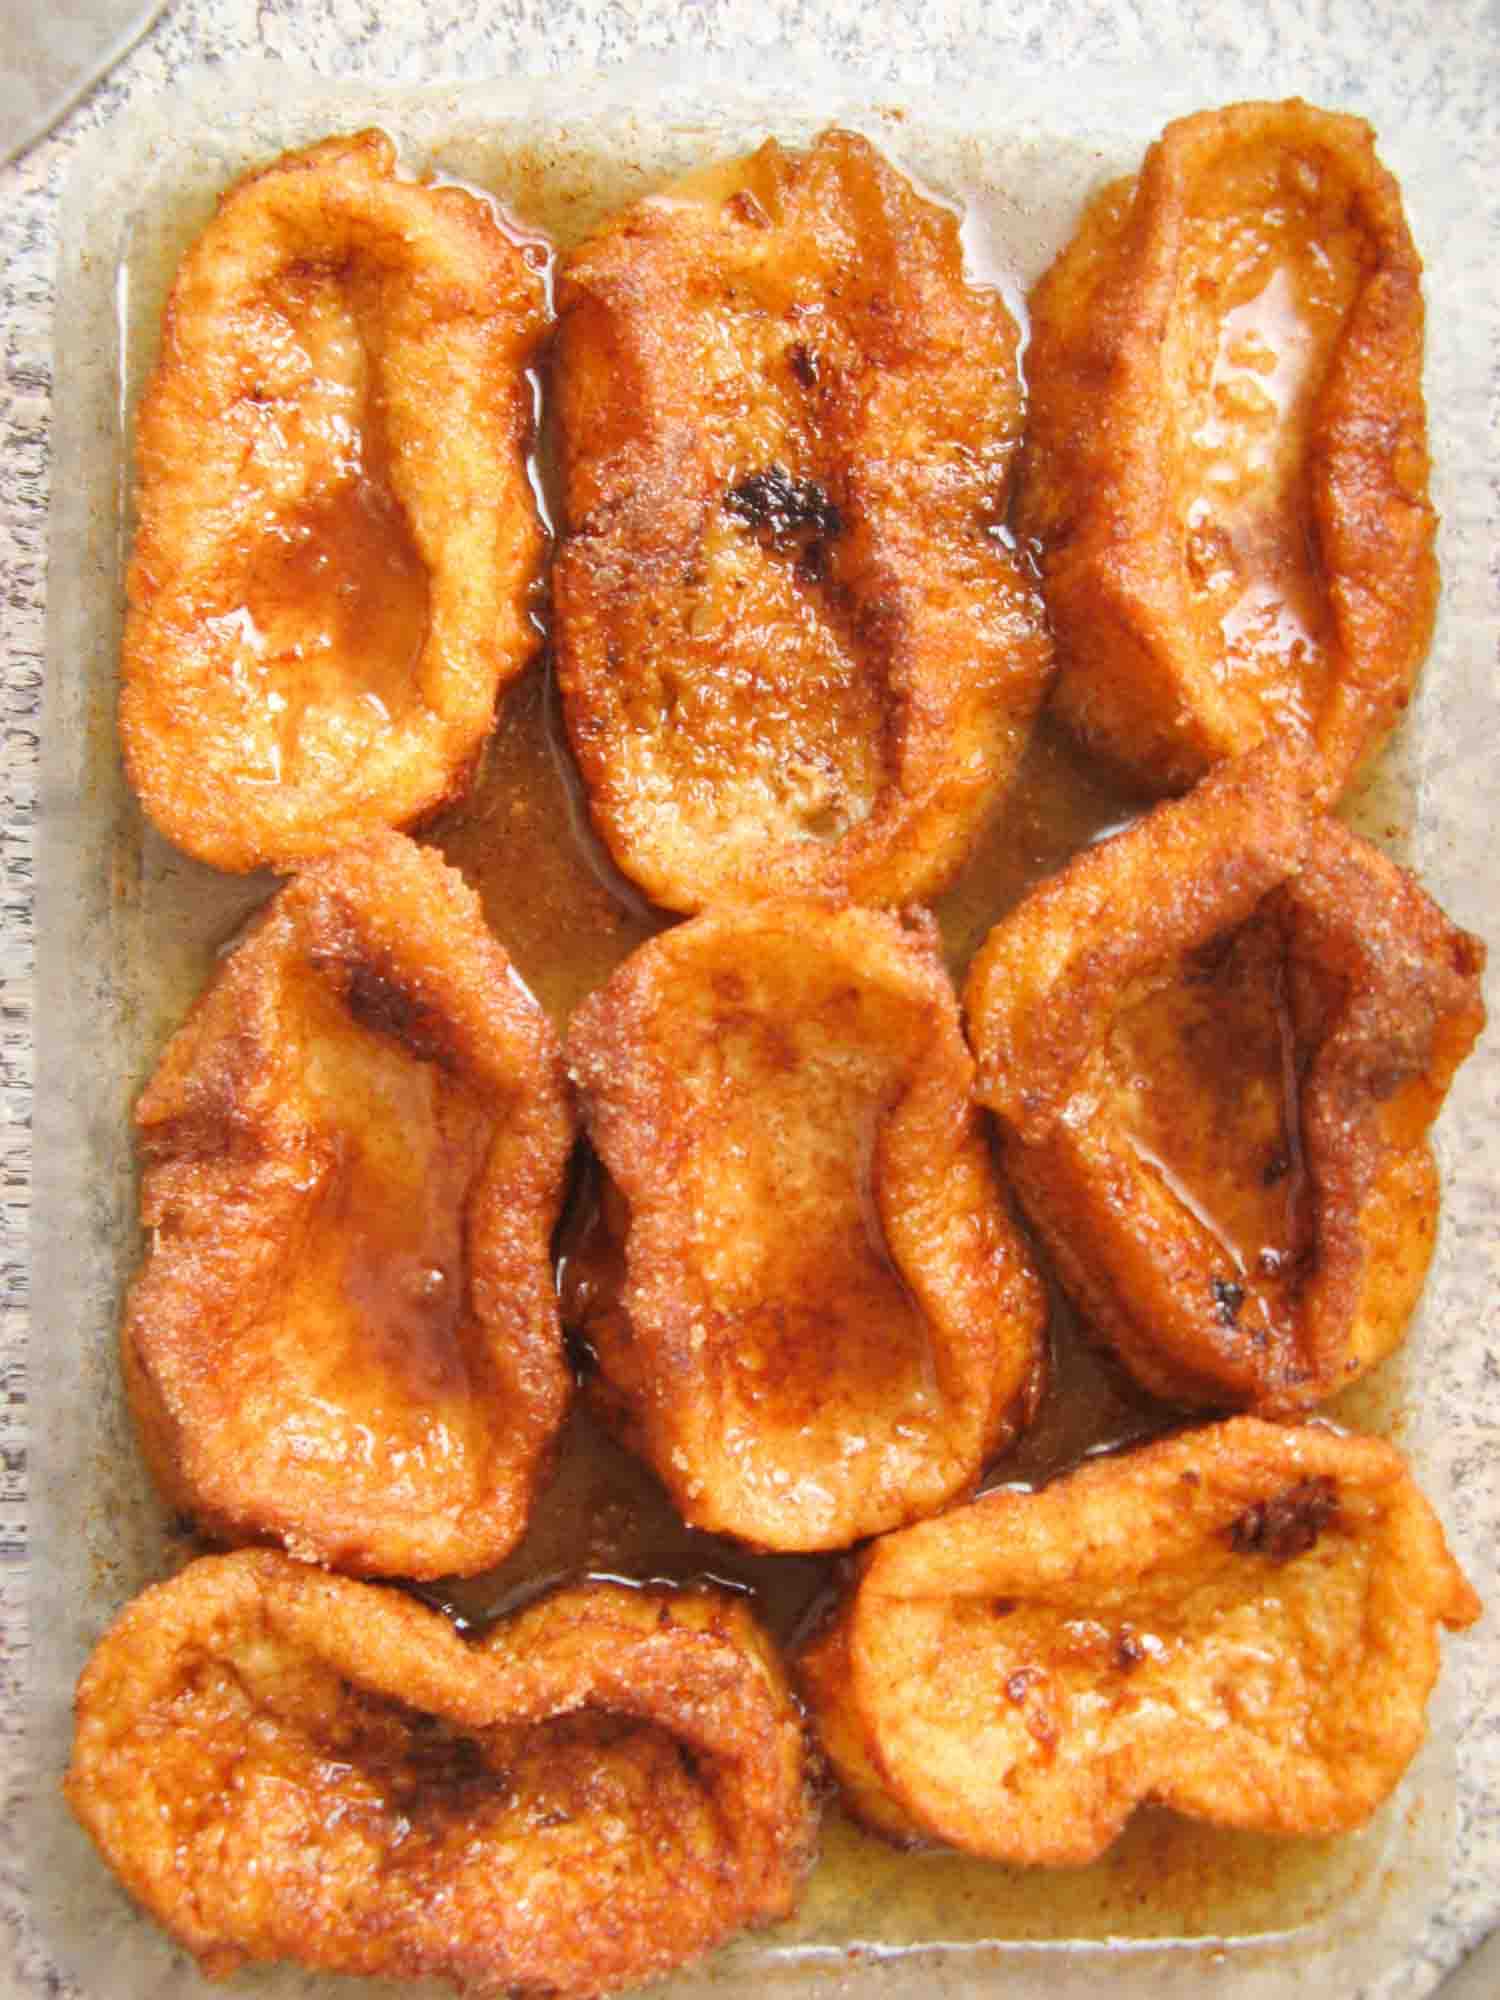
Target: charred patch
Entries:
(1228, 1298)
(812, 564)
(803, 364)
(1287, 1525)
(785, 513)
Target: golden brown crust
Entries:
(345, 1332)
(1226, 464)
(821, 1319)
(1239, 1622)
(796, 649)
(281, 1764)
(1216, 1044)
(338, 540)
(1224, 1142)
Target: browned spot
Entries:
(381, 1005)
(1287, 1525)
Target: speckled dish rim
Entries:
(96, 1537)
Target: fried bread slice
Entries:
(797, 648)
(1215, 1045)
(338, 542)
(1240, 1622)
(807, 1302)
(284, 1764)
(1226, 467)
(345, 1334)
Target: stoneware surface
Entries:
(50, 56)
(1428, 67)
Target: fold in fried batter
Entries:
(809, 1307)
(1216, 1044)
(796, 648)
(1239, 1622)
(345, 1332)
(282, 1764)
(1226, 463)
(338, 540)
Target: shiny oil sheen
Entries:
(324, 646)
(1276, 251)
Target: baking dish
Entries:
(128, 928)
